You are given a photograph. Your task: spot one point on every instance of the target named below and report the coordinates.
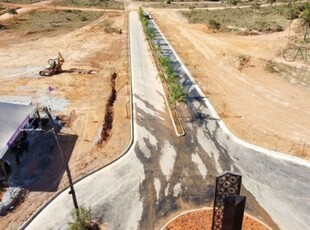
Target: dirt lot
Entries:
(258, 106)
(95, 44)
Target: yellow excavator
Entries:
(54, 66)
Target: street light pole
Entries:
(72, 191)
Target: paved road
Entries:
(162, 173)
(277, 184)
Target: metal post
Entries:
(227, 184)
(72, 191)
(233, 212)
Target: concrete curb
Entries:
(178, 117)
(132, 140)
(202, 209)
(274, 154)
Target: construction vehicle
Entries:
(54, 66)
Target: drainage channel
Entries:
(109, 111)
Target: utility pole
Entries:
(72, 191)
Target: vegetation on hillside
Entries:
(181, 4)
(254, 18)
(20, 1)
(305, 18)
(111, 4)
(39, 21)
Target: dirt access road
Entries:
(81, 98)
(257, 106)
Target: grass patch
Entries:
(90, 3)
(50, 21)
(262, 19)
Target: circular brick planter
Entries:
(202, 220)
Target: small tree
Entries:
(13, 12)
(82, 220)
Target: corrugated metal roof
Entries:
(13, 117)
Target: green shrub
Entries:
(271, 1)
(270, 67)
(214, 24)
(233, 2)
(81, 219)
(165, 63)
(278, 28)
(150, 32)
(83, 19)
(143, 19)
(293, 13)
(176, 93)
(261, 26)
(255, 6)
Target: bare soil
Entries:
(86, 96)
(260, 107)
(202, 220)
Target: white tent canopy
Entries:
(13, 117)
